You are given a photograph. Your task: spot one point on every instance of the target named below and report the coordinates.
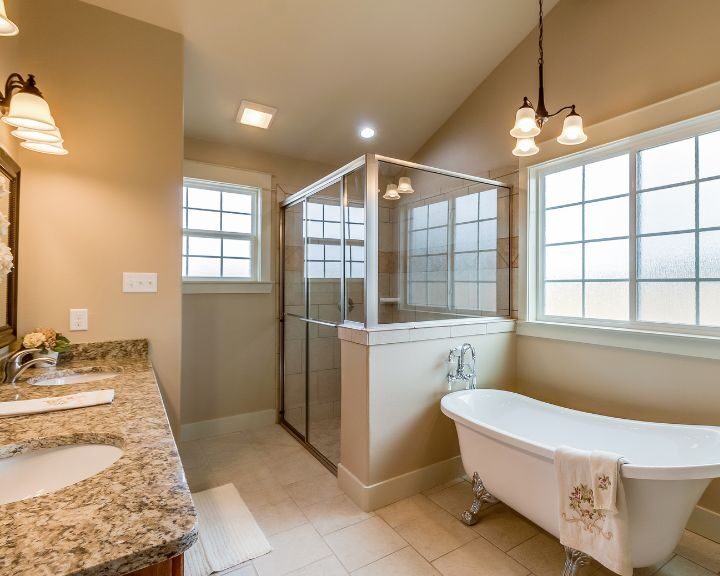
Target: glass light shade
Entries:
(525, 125)
(47, 136)
(29, 110)
(7, 26)
(391, 192)
(525, 147)
(405, 186)
(572, 130)
(45, 147)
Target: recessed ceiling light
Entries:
(258, 115)
(367, 132)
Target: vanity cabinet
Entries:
(172, 567)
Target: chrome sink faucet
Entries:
(13, 367)
(459, 370)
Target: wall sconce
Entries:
(405, 186)
(391, 192)
(23, 107)
(7, 26)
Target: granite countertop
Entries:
(137, 512)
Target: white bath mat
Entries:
(229, 534)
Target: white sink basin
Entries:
(74, 379)
(47, 470)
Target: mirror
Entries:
(9, 192)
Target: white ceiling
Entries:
(331, 66)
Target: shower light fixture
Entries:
(7, 26)
(391, 192)
(257, 115)
(529, 120)
(405, 185)
(23, 107)
(367, 132)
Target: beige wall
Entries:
(230, 341)
(113, 204)
(609, 58)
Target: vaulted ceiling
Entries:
(332, 66)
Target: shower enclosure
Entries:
(355, 252)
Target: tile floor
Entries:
(315, 530)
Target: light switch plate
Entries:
(78, 319)
(139, 282)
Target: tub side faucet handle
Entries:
(454, 367)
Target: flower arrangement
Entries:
(6, 259)
(47, 340)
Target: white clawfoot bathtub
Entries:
(509, 440)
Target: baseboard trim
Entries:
(705, 523)
(381, 494)
(228, 424)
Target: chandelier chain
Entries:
(540, 37)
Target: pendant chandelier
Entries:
(530, 120)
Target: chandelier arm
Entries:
(571, 108)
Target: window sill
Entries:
(225, 287)
(662, 342)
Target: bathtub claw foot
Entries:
(481, 495)
(574, 560)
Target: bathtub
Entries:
(509, 440)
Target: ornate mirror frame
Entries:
(11, 170)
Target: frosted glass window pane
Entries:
(358, 270)
(184, 245)
(201, 220)
(666, 210)
(563, 262)
(466, 266)
(667, 164)
(466, 295)
(609, 177)
(563, 225)
(437, 268)
(203, 266)
(607, 259)
(199, 198)
(671, 256)
(315, 270)
(184, 267)
(710, 204)
(332, 213)
(418, 268)
(670, 302)
(710, 254)
(710, 303)
(314, 211)
(333, 252)
(606, 219)
(198, 246)
(358, 253)
(488, 297)
(466, 208)
(240, 248)
(488, 266)
(418, 217)
(437, 240)
(488, 235)
(356, 215)
(437, 294)
(607, 300)
(236, 268)
(438, 214)
(563, 299)
(418, 242)
(709, 159)
(314, 229)
(332, 230)
(466, 237)
(563, 187)
(418, 293)
(488, 204)
(237, 223)
(234, 202)
(333, 269)
(315, 251)
(356, 231)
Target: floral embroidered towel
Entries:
(39, 405)
(604, 471)
(600, 533)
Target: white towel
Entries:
(53, 403)
(599, 532)
(605, 471)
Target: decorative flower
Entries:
(52, 341)
(6, 259)
(604, 482)
(4, 224)
(34, 340)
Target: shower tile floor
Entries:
(315, 530)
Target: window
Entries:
(220, 239)
(323, 230)
(629, 234)
(453, 242)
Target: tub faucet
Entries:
(13, 367)
(459, 370)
